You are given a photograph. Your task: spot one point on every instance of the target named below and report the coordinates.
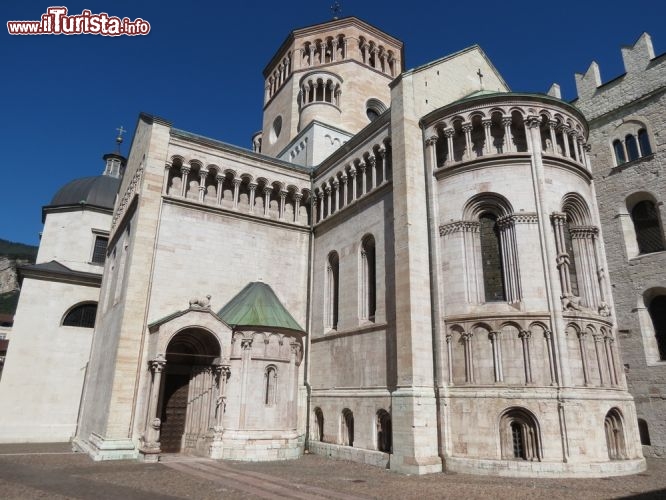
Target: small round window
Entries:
(276, 128)
(374, 108)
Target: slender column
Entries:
(297, 207)
(343, 190)
(553, 137)
(449, 133)
(267, 199)
(336, 187)
(220, 188)
(449, 351)
(382, 155)
(293, 384)
(165, 181)
(152, 433)
(203, 173)
(467, 129)
(372, 161)
(313, 208)
(334, 50)
(320, 197)
(327, 193)
(352, 174)
(311, 61)
(583, 354)
(524, 336)
(576, 139)
(185, 169)
(364, 179)
(598, 339)
(246, 346)
(431, 152)
(283, 199)
(608, 341)
(494, 342)
(559, 220)
(469, 372)
(551, 360)
(237, 182)
(508, 136)
(253, 189)
(487, 147)
(222, 372)
(565, 140)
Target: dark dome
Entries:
(99, 191)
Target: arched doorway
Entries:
(188, 397)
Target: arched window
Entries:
(270, 385)
(614, 435)
(568, 245)
(657, 310)
(493, 268)
(632, 147)
(384, 431)
(347, 428)
(368, 279)
(519, 435)
(644, 142)
(646, 224)
(618, 148)
(82, 316)
(332, 290)
(318, 428)
(644, 432)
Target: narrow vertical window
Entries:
(632, 147)
(644, 142)
(657, 310)
(99, 249)
(646, 224)
(644, 432)
(368, 279)
(332, 290)
(619, 152)
(614, 435)
(493, 269)
(384, 432)
(347, 428)
(517, 440)
(270, 384)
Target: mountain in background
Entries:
(12, 255)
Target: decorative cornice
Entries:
(459, 226)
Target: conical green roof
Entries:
(256, 305)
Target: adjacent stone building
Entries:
(627, 118)
(406, 271)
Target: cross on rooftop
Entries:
(480, 78)
(336, 8)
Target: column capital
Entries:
(343, 178)
(533, 121)
(157, 364)
(246, 344)
(431, 141)
(493, 335)
(487, 122)
(298, 196)
(507, 120)
(352, 171)
(283, 193)
(372, 160)
(467, 127)
(185, 169)
(237, 181)
(220, 177)
(168, 165)
(268, 189)
(449, 132)
(467, 336)
(361, 165)
(382, 151)
(524, 334)
(252, 185)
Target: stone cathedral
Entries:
(406, 270)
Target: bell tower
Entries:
(335, 73)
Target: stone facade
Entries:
(434, 239)
(617, 111)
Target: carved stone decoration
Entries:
(200, 302)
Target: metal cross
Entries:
(480, 78)
(336, 8)
(121, 131)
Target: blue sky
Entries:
(62, 97)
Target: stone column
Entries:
(222, 375)
(610, 360)
(558, 220)
(151, 441)
(493, 336)
(253, 189)
(203, 173)
(352, 174)
(327, 191)
(165, 182)
(293, 387)
(267, 199)
(313, 208)
(551, 360)
(553, 137)
(220, 188)
(449, 133)
(583, 354)
(343, 190)
(372, 161)
(382, 155)
(297, 207)
(598, 339)
(449, 351)
(336, 188)
(467, 130)
(525, 336)
(246, 346)
(237, 182)
(185, 169)
(320, 207)
(469, 370)
(283, 199)
(565, 140)
(364, 179)
(488, 146)
(508, 136)
(576, 137)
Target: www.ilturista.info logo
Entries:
(56, 22)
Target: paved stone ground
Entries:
(52, 471)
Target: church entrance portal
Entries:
(189, 397)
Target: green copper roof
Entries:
(256, 305)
